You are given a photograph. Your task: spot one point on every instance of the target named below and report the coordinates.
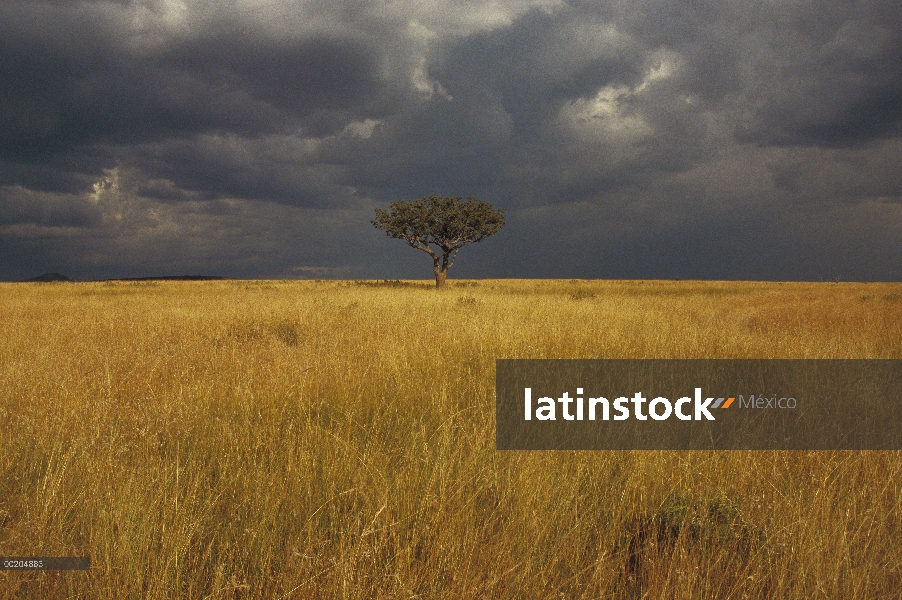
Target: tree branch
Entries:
(421, 246)
(453, 258)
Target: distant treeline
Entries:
(51, 277)
(171, 278)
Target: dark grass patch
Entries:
(582, 295)
(703, 526)
(286, 332)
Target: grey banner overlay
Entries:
(45, 563)
(836, 404)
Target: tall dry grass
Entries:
(336, 440)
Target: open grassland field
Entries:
(259, 439)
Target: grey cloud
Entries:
(791, 73)
(71, 80)
(276, 168)
(830, 78)
(20, 206)
(538, 62)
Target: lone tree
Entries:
(447, 223)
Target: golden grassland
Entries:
(263, 439)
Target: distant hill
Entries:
(47, 277)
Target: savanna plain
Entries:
(336, 439)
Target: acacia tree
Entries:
(445, 222)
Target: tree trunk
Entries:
(440, 266)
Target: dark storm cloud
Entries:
(20, 205)
(790, 73)
(85, 84)
(537, 63)
(317, 83)
(637, 138)
(492, 128)
(82, 91)
(827, 74)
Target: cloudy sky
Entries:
(629, 139)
